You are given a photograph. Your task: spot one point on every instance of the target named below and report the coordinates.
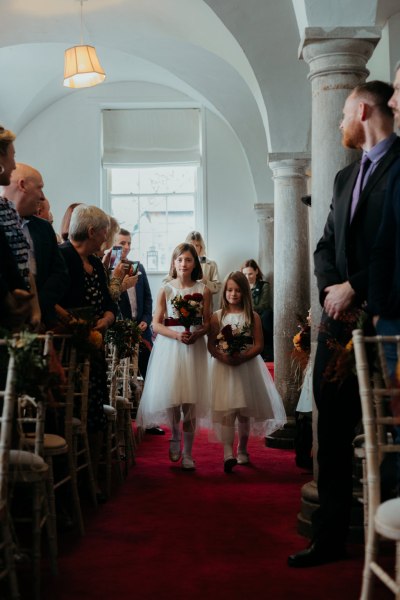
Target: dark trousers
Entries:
(143, 360)
(339, 412)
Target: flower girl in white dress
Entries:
(177, 375)
(241, 386)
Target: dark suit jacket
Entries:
(144, 303)
(74, 296)
(384, 279)
(343, 253)
(52, 275)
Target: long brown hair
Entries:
(253, 265)
(197, 272)
(241, 281)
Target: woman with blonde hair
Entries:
(209, 267)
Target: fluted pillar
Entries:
(291, 265)
(265, 218)
(337, 59)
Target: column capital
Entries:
(264, 212)
(343, 50)
(289, 164)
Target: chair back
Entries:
(380, 402)
(31, 410)
(8, 401)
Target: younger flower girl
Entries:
(241, 386)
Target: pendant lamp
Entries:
(82, 68)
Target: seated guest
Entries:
(88, 287)
(260, 294)
(45, 261)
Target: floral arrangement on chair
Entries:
(124, 335)
(343, 362)
(233, 340)
(302, 342)
(188, 309)
(38, 374)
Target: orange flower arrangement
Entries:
(188, 309)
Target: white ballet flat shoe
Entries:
(243, 458)
(188, 463)
(175, 453)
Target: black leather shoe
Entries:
(155, 431)
(229, 463)
(315, 555)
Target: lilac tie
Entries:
(360, 183)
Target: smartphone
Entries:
(115, 256)
(131, 267)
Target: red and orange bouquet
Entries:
(188, 309)
(302, 342)
(233, 340)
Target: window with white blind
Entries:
(157, 206)
(152, 158)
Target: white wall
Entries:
(64, 143)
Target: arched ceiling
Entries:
(237, 57)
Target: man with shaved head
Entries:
(25, 190)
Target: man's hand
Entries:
(338, 299)
(142, 325)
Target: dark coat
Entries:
(74, 296)
(344, 251)
(384, 283)
(144, 302)
(52, 279)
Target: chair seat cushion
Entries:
(109, 410)
(51, 441)
(123, 402)
(76, 423)
(387, 519)
(22, 459)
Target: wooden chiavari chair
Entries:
(27, 468)
(8, 403)
(380, 400)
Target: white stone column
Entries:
(291, 265)
(265, 218)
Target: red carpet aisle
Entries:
(197, 535)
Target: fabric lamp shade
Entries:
(82, 67)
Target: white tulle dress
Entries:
(177, 373)
(247, 389)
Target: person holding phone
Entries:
(120, 276)
(137, 303)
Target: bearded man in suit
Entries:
(341, 266)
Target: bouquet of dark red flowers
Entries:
(188, 309)
(232, 340)
(302, 342)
